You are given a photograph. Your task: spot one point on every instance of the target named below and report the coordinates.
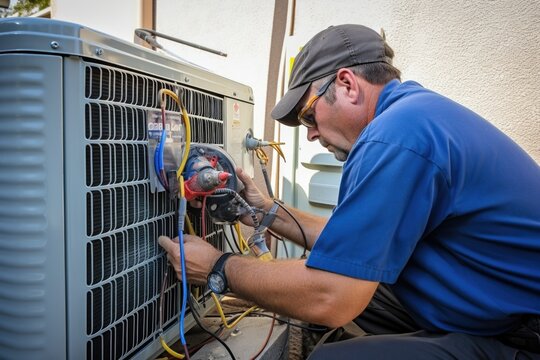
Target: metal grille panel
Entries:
(124, 264)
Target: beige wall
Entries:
(116, 17)
(484, 54)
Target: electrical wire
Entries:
(159, 165)
(267, 181)
(321, 329)
(181, 217)
(285, 248)
(184, 286)
(234, 241)
(267, 338)
(241, 240)
(166, 92)
(193, 310)
(161, 340)
(160, 148)
(216, 300)
(299, 227)
(162, 176)
(281, 321)
(257, 146)
(233, 249)
(205, 329)
(203, 218)
(222, 314)
(280, 238)
(240, 318)
(263, 160)
(208, 340)
(214, 297)
(193, 348)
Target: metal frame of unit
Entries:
(80, 267)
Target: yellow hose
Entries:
(169, 350)
(185, 119)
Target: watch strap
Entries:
(219, 267)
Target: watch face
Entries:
(216, 283)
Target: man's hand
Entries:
(200, 257)
(251, 193)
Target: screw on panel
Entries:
(54, 44)
(186, 79)
(234, 94)
(99, 51)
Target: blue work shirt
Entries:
(439, 203)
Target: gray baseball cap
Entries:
(330, 50)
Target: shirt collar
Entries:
(385, 99)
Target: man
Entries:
(434, 246)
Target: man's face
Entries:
(335, 124)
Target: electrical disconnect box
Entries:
(80, 267)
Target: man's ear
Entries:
(349, 85)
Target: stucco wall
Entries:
(115, 17)
(484, 54)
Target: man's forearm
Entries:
(290, 288)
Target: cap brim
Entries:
(285, 111)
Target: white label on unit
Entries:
(236, 115)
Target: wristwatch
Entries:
(216, 280)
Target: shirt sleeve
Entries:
(390, 197)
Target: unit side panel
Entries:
(32, 278)
(238, 123)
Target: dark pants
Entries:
(393, 334)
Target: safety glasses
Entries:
(309, 120)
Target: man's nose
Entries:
(312, 134)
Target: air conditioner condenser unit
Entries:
(80, 268)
